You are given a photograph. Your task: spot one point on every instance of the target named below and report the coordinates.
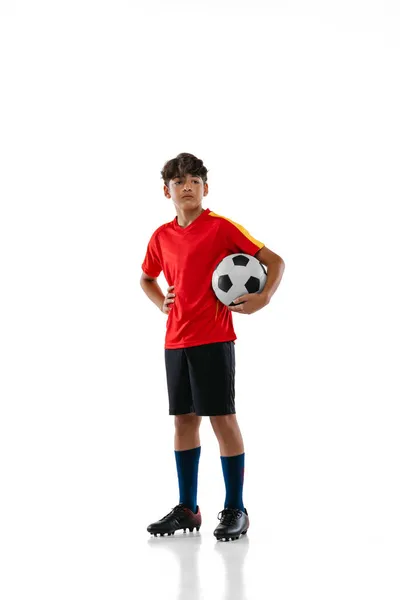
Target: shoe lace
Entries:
(178, 511)
(228, 515)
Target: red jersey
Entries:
(188, 257)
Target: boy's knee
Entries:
(189, 421)
(223, 422)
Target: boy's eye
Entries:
(194, 180)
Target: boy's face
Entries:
(186, 192)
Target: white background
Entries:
(294, 108)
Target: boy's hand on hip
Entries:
(168, 300)
(251, 303)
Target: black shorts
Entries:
(201, 379)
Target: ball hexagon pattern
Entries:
(237, 275)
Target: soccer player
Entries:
(199, 342)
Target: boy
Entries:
(199, 342)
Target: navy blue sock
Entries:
(233, 469)
(187, 464)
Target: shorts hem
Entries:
(198, 343)
(202, 414)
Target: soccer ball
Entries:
(237, 275)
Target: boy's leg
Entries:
(211, 369)
(187, 424)
(212, 382)
(231, 446)
(187, 431)
(187, 447)
(229, 436)
(187, 457)
(234, 519)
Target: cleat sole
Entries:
(229, 538)
(162, 533)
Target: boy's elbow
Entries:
(145, 277)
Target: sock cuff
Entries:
(193, 451)
(235, 457)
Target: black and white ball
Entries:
(237, 275)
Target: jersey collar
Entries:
(198, 219)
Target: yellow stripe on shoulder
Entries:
(241, 229)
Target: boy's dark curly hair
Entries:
(183, 164)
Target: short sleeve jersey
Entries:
(188, 257)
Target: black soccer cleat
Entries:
(180, 517)
(234, 523)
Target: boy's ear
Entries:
(166, 192)
(205, 189)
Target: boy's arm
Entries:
(152, 290)
(276, 267)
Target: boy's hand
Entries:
(251, 303)
(169, 299)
